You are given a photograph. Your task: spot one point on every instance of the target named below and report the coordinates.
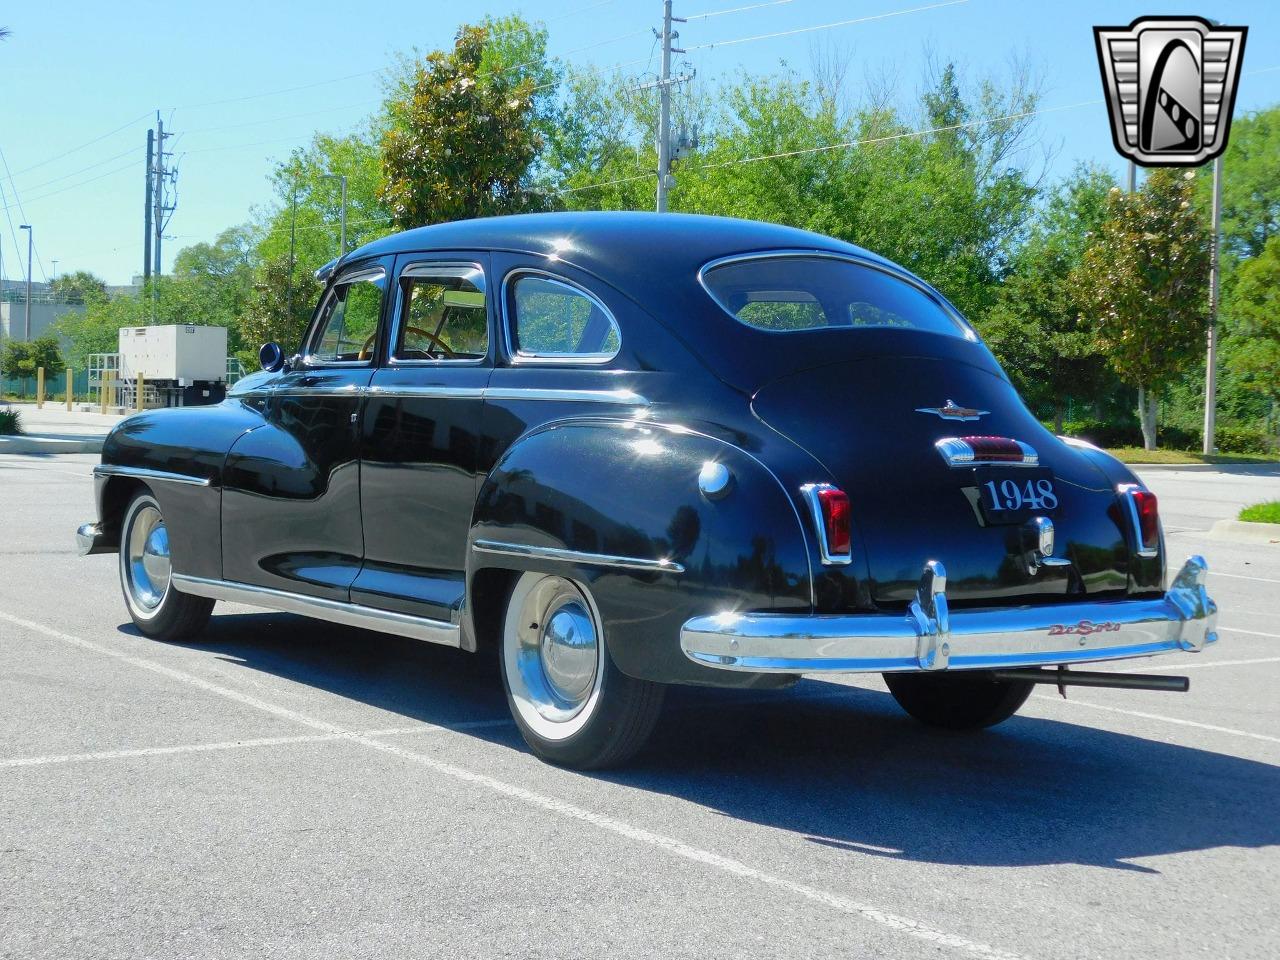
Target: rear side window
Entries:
(787, 293)
(443, 314)
(552, 319)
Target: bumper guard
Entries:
(929, 637)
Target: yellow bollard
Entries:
(141, 385)
(70, 378)
(105, 388)
(39, 387)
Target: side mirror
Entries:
(271, 357)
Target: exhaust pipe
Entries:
(1062, 678)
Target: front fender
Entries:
(592, 496)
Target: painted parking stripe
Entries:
(1241, 576)
(1156, 716)
(1252, 633)
(678, 848)
(1198, 665)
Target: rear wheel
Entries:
(958, 701)
(572, 705)
(157, 609)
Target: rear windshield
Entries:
(810, 293)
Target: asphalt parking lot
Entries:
(288, 788)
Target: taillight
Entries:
(1145, 515)
(834, 520)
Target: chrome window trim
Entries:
(353, 614)
(355, 276)
(965, 329)
(146, 473)
(577, 556)
(810, 491)
(461, 269)
(550, 359)
(1126, 491)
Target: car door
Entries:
(291, 500)
(419, 436)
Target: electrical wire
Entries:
(87, 143)
(17, 197)
(720, 13)
(824, 26)
(37, 186)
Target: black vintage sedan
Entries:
(618, 451)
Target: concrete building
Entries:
(45, 313)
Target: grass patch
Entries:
(10, 422)
(1262, 512)
(1138, 455)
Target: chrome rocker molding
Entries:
(144, 473)
(578, 556)
(351, 614)
(929, 637)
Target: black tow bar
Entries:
(1062, 678)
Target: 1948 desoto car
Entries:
(620, 451)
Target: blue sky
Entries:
(226, 76)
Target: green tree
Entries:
(464, 138)
(1256, 305)
(1035, 327)
(78, 287)
(1250, 184)
(1143, 285)
(278, 311)
(22, 358)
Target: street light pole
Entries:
(342, 216)
(1215, 279)
(26, 331)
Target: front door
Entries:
(419, 438)
(291, 503)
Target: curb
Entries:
(1242, 531)
(47, 445)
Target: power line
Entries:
(87, 143)
(13, 188)
(825, 26)
(753, 6)
(73, 186)
(37, 186)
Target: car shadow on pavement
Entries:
(842, 766)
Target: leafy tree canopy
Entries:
(78, 287)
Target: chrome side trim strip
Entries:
(626, 397)
(931, 637)
(431, 391)
(578, 556)
(144, 473)
(351, 614)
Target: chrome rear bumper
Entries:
(929, 637)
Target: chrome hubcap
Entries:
(147, 562)
(553, 654)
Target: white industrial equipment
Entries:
(181, 364)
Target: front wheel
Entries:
(958, 701)
(157, 609)
(574, 708)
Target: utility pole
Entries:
(146, 209)
(26, 332)
(1211, 361)
(664, 85)
(161, 208)
(293, 235)
(1133, 177)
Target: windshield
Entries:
(788, 293)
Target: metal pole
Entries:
(26, 332)
(1133, 176)
(293, 233)
(146, 207)
(159, 196)
(664, 109)
(1211, 361)
(342, 237)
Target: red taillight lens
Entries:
(1148, 517)
(835, 520)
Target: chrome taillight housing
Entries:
(834, 520)
(1143, 511)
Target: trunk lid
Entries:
(861, 419)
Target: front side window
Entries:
(348, 326)
(786, 293)
(442, 315)
(552, 319)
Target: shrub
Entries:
(1243, 440)
(10, 421)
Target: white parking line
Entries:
(891, 921)
(247, 744)
(1156, 716)
(1241, 576)
(1252, 633)
(1199, 665)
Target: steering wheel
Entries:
(436, 342)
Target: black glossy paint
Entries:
(326, 487)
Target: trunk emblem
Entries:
(953, 411)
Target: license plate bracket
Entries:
(1008, 495)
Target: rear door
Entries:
(419, 436)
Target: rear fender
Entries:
(617, 504)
